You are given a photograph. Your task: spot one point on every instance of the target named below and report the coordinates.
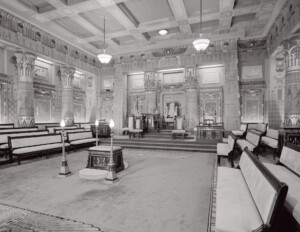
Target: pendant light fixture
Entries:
(104, 58)
(202, 43)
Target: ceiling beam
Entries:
(179, 12)
(226, 13)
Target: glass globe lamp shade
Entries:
(111, 124)
(62, 123)
(201, 44)
(104, 58)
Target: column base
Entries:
(69, 121)
(26, 121)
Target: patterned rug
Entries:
(15, 219)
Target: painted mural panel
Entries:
(252, 72)
(252, 110)
(42, 110)
(78, 113)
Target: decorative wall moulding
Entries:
(41, 42)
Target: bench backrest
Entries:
(272, 133)
(7, 125)
(290, 157)
(4, 136)
(243, 127)
(68, 129)
(72, 136)
(231, 142)
(267, 191)
(51, 128)
(262, 127)
(29, 141)
(253, 138)
(2, 130)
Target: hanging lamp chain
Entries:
(104, 33)
(200, 16)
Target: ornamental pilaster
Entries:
(25, 67)
(67, 77)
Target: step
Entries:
(141, 146)
(171, 142)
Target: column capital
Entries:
(67, 76)
(25, 64)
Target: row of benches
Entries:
(251, 197)
(24, 143)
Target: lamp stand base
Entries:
(64, 170)
(111, 177)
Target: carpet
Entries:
(165, 191)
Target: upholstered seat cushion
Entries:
(38, 148)
(235, 208)
(223, 149)
(242, 143)
(269, 141)
(178, 131)
(135, 130)
(81, 141)
(4, 146)
(292, 201)
(237, 132)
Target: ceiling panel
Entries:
(97, 44)
(72, 2)
(39, 6)
(68, 24)
(149, 10)
(95, 17)
(125, 40)
(208, 24)
(193, 7)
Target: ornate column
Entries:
(67, 77)
(292, 83)
(191, 86)
(150, 80)
(25, 66)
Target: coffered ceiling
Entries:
(133, 25)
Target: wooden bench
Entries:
(2, 130)
(288, 171)
(259, 128)
(178, 133)
(249, 198)
(4, 148)
(271, 140)
(22, 146)
(51, 128)
(226, 150)
(7, 125)
(251, 141)
(241, 133)
(80, 139)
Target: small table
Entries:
(99, 157)
(176, 133)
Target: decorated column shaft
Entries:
(292, 83)
(150, 80)
(67, 77)
(191, 85)
(25, 66)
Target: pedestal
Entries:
(99, 158)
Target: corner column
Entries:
(25, 67)
(67, 77)
(150, 81)
(191, 87)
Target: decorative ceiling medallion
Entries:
(67, 11)
(226, 14)
(169, 52)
